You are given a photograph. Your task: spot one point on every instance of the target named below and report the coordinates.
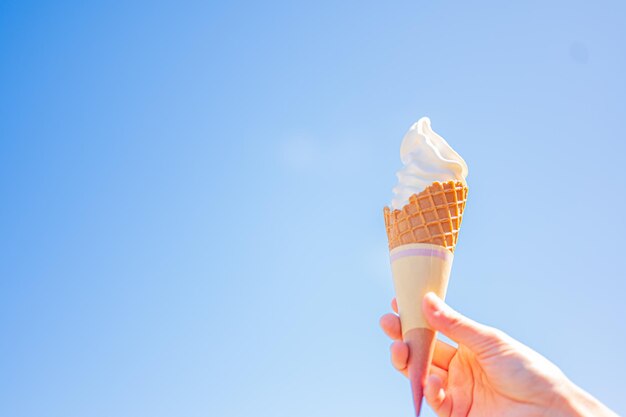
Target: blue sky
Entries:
(191, 215)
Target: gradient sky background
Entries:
(191, 196)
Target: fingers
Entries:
(457, 327)
(436, 395)
(399, 356)
(394, 305)
(390, 323)
(443, 354)
(441, 358)
(435, 370)
(400, 359)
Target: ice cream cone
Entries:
(432, 216)
(422, 237)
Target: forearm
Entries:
(576, 402)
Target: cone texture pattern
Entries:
(433, 216)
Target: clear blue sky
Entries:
(191, 196)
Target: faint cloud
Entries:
(300, 151)
(578, 52)
(343, 155)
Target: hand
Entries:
(489, 374)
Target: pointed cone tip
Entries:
(421, 342)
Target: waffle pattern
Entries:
(433, 216)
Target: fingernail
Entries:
(434, 302)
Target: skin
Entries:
(489, 374)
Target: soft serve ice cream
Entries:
(427, 158)
(422, 228)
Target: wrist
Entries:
(573, 401)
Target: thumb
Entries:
(464, 331)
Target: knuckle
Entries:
(455, 322)
(495, 334)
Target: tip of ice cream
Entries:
(427, 158)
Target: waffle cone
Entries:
(433, 216)
(420, 236)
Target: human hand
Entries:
(489, 374)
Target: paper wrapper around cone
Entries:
(418, 269)
(422, 237)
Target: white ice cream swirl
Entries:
(427, 158)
